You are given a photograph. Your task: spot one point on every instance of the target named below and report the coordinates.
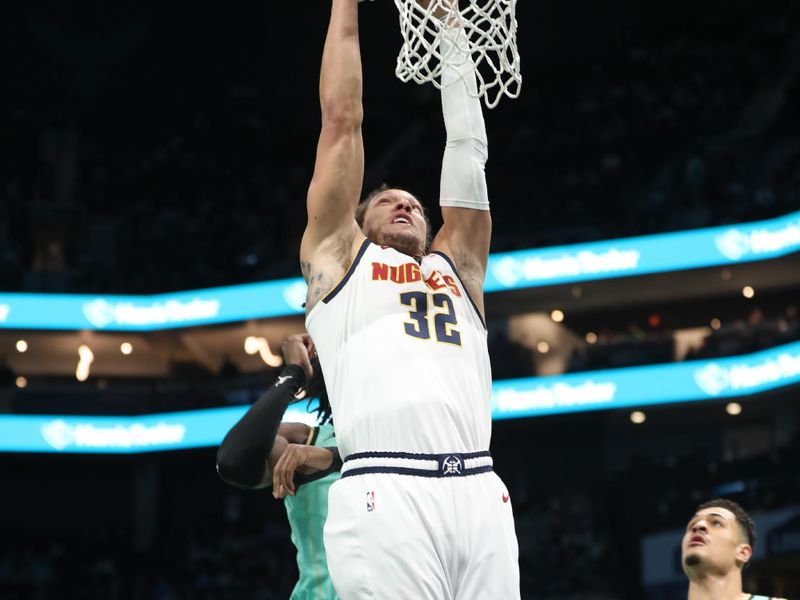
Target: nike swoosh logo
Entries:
(506, 497)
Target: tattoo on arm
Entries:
(320, 286)
(324, 275)
(305, 267)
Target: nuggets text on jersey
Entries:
(411, 273)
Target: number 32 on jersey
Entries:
(444, 319)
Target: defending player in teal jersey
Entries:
(301, 460)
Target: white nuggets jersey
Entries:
(404, 354)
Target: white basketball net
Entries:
(488, 28)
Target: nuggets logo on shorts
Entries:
(452, 465)
(370, 501)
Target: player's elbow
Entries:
(342, 115)
(469, 148)
(239, 469)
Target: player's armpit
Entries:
(465, 238)
(325, 265)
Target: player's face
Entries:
(395, 218)
(713, 542)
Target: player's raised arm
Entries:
(467, 228)
(339, 169)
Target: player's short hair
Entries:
(361, 210)
(743, 518)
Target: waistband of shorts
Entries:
(451, 464)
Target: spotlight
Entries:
(259, 345)
(638, 417)
(733, 409)
(85, 359)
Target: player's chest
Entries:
(422, 300)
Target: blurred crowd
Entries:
(225, 565)
(757, 332)
(667, 136)
(658, 488)
(685, 129)
(640, 345)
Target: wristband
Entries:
(295, 372)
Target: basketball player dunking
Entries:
(399, 327)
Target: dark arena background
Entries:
(152, 153)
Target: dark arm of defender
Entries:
(253, 446)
